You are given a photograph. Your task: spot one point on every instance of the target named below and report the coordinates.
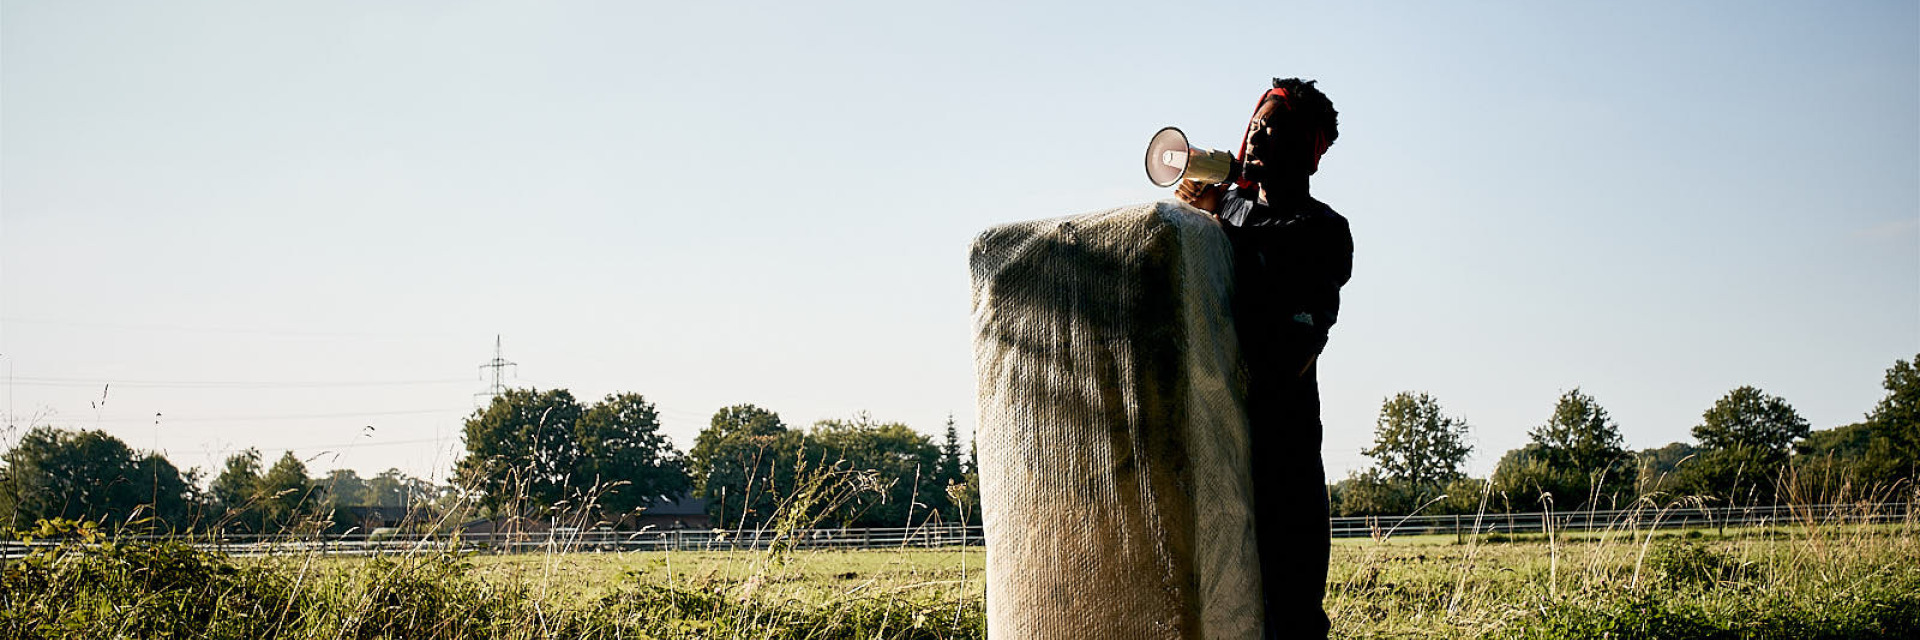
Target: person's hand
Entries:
(1205, 197)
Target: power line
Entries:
(164, 419)
(349, 445)
(41, 381)
(218, 330)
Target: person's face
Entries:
(1278, 144)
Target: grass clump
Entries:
(1749, 590)
(167, 589)
(1888, 610)
(1694, 565)
(414, 596)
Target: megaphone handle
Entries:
(1202, 196)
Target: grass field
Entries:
(914, 574)
(1796, 582)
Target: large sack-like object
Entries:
(1113, 448)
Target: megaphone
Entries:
(1170, 159)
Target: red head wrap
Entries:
(1319, 136)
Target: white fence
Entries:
(563, 540)
(1624, 519)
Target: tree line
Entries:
(88, 475)
(530, 454)
(535, 454)
(1749, 447)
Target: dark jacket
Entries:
(1288, 270)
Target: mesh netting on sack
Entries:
(1113, 446)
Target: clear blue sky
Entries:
(717, 203)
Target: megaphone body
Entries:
(1170, 159)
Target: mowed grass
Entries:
(1803, 581)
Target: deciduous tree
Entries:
(624, 454)
(1580, 434)
(1897, 419)
(234, 493)
(90, 475)
(1745, 436)
(393, 488)
(743, 464)
(530, 450)
(1748, 417)
(1576, 456)
(520, 450)
(1372, 493)
(1416, 444)
(902, 464)
(343, 488)
(1879, 451)
(1524, 477)
(1659, 468)
(285, 496)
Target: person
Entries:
(1291, 254)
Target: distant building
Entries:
(369, 518)
(661, 513)
(509, 525)
(681, 512)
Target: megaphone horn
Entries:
(1170, 159)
